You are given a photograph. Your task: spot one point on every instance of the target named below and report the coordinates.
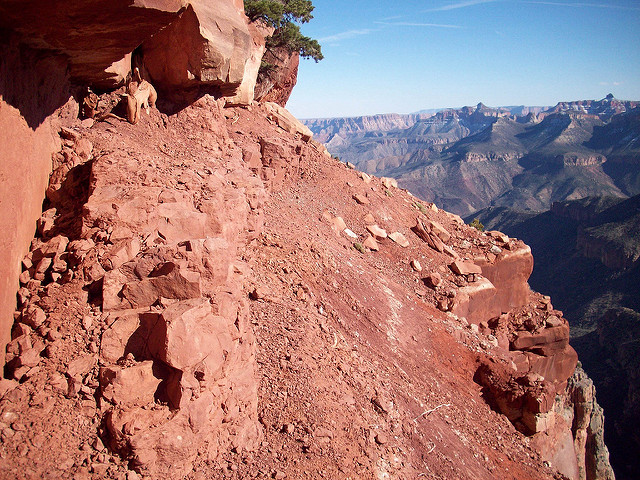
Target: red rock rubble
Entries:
(134, 328)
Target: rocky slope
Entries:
(209, 294)
(188, 266)
(472, 158)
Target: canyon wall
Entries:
(528, 161)
(31, 89)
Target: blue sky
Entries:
(406, 55)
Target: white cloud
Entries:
(454, 6)
(615, 84)
(345, 35)
(416, 24)
(395, 17)
(581, 5)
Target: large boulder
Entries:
(129, 386)
(476, 302)
(246, 91)
(208, 45)
(509, 274)
(287, 121)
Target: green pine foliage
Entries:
(283, 16)
(276, 13)
(477, 225)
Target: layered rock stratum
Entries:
(476, 157)
(210, 294)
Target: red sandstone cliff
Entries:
(208, 293)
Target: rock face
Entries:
(585, 455)
(609, 237)
(90, 36)
(616, 339)
(510, 274)
(494, 294)
(541, 362)
(588, 425)
(246, 92)
(28, 135)
(276, 84)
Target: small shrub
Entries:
(388, 192)
(477, 225)
(359, 247)
(420, 207)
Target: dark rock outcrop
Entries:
(617, 339)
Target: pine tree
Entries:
(283, 16)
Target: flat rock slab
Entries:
(361, 199)
(376, 231)
(462, 267)
(400, 239)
